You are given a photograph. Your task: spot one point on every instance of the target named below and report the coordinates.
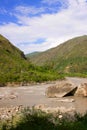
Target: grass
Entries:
(16, 68)
(57, 63)
(27, 73)
(69, 57)
(31, 119)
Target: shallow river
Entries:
(33, 95)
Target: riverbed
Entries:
(35, 94)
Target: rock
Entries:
(8, 113)
(60, 116)
(40, 106)
(13, 95)
(82, 90)
(61, 90)
(9, 95)
(1, 96)
(46, 109)
(66, 100)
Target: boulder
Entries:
(82, 90)
(61, 90)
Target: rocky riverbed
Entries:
(12, 99)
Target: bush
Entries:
(31, 119)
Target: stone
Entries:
(1, 96)
(66, 100)
(40, 106)
(82, 90)
(47, 109)
(12, 96)
(8, 113)
(60, 116)
(61, 90)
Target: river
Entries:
(33, 95)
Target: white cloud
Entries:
(54, 28)
(26, 10)
(51, 2)
(35, 47)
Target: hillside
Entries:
(16, 69)
(32, 54)
(71, 56)
(9, 53)
(11, 60)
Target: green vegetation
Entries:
(31, 119)
(32, 54)
(69, 57)
(14, 67)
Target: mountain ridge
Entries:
(7, 46)
(69, 55)
(16, 69)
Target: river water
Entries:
(33, 95)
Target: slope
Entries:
(12, 61)
(71, 56)
(32, 54)
(16, 69)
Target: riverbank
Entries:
(35, 95)
(32, 119)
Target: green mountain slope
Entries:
(16, 69)
(9, 53)
(12, 61)
(10, 56)
(71, 56)
(32, 54)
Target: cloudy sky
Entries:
(37, 25)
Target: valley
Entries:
(67, 59)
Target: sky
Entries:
(37, 25)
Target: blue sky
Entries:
(30, 8)
(37, 25)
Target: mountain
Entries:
(70, 56)
(9, 54)
(7, 50)
(16, 69)
(32, 54)
(12, 61)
